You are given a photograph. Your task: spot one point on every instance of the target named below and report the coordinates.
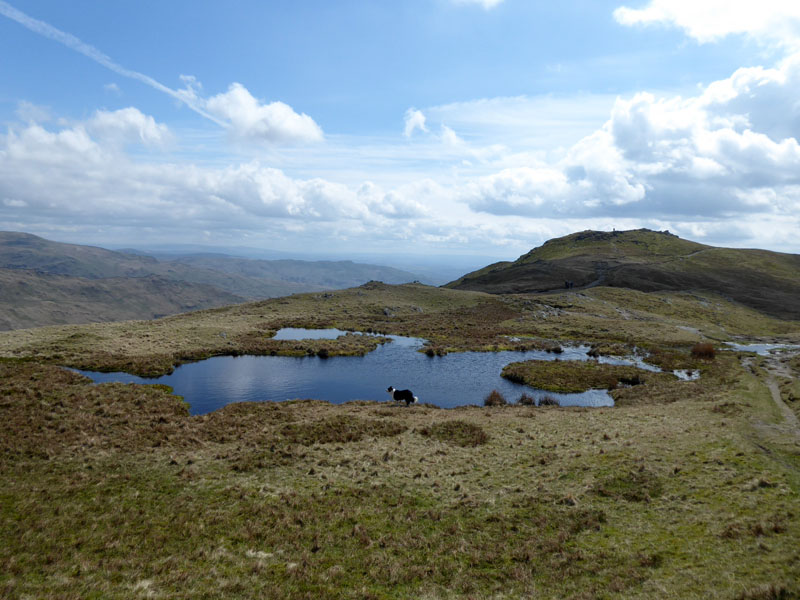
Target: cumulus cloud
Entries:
(774, 21)
(128, 125)
(92, 180)
(450, 137)
(414, 119)
(250, 118)
(235, 109)
(731, 150)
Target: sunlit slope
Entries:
(48, 283)
(450, 321)
(648, 261)
(31, 299)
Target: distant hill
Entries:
(315, 275)
(31, 299)
(132, 285)
(648, 261)
(31, 252)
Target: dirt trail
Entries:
(790, 424)
(603, 270)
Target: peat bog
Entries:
(683, 489)
(456, 379)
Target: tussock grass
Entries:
(705, 351)
(495, 398)
(450, 320)
(682, 490)
(526, 400)
(578, 376)
(636, 485)
(339, 429)
(254, 501)
(458, 433)
(769, 591)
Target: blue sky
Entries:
(418, 127)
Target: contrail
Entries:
(70, 41)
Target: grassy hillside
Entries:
(311, 275)
(649, 261)
(38, 291)
(682, 490)
(249, 278)
(30, 299)
(634, 244)
(451, 320)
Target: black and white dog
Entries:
(402, 396)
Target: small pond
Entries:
(761, 349)
(456, 379)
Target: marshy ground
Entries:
(682, 490)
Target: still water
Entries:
(454, 380)
(761, 349)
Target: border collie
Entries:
(402, 396)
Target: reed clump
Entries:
(704, 351)
(495, 398)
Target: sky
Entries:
(422, 127)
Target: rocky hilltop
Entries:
(648, 261)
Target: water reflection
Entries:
(761, 349)
(454, 380)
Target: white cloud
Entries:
(450, 137)
(528, 123)
(250, 119)
(128, 125)
(714, 158)
(414, 119)
(92, 182)
(400, 203)
(520, 191)
(73, 43)
(235, 109)
(775, 21)
(32, 113)
(731, 150)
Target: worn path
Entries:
(790, 424)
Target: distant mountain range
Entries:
(46, 282)
(648, 261)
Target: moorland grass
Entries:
(450, 320)
(579, 376)
(682, 490)
(116, 491)
(458, 433)
(495, 398)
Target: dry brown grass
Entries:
(705, 351)
(449, 319)
(682, 490)
(339, 429)
(495, 398)
(633, 485)
(457, 432)
(579, 376)
(304, 498)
